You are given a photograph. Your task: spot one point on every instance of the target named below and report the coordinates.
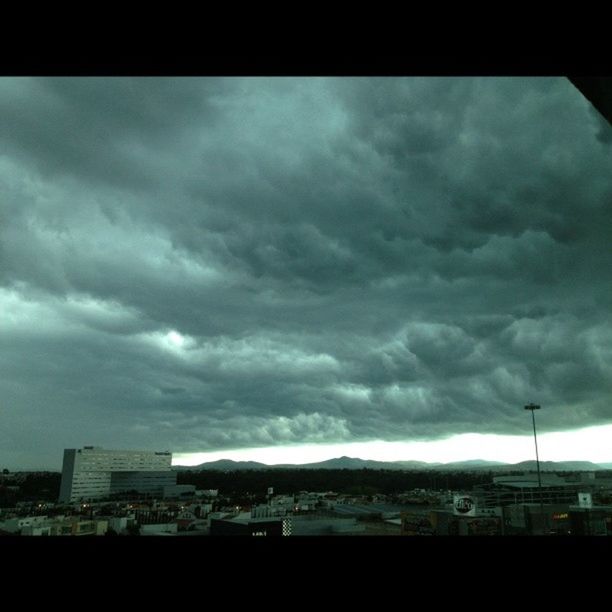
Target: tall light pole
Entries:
(534, 407)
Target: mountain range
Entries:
(351, 463)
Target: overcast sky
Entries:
(202, 265)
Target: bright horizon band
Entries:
(588, 444)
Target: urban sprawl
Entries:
(118, 492)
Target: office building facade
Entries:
(93, 473)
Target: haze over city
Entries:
(292, 269)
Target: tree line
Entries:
(364, 481)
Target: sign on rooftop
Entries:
(464, 505)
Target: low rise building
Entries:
(525, 489)
(170, 528)
(594, 521)
(249, 527)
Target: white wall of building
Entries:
(87, 472)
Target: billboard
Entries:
(464, 505)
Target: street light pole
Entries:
(534, 407)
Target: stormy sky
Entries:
(207, 264)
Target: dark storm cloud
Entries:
(113, 131)
(197, 264)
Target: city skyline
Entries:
(224, 265)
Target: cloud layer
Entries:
(198, 264)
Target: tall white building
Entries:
(93, 472)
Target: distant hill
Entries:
(569, 466)
(473, 464)
(353, 463)
(340, 463)
(223, 465)
(415, 465)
